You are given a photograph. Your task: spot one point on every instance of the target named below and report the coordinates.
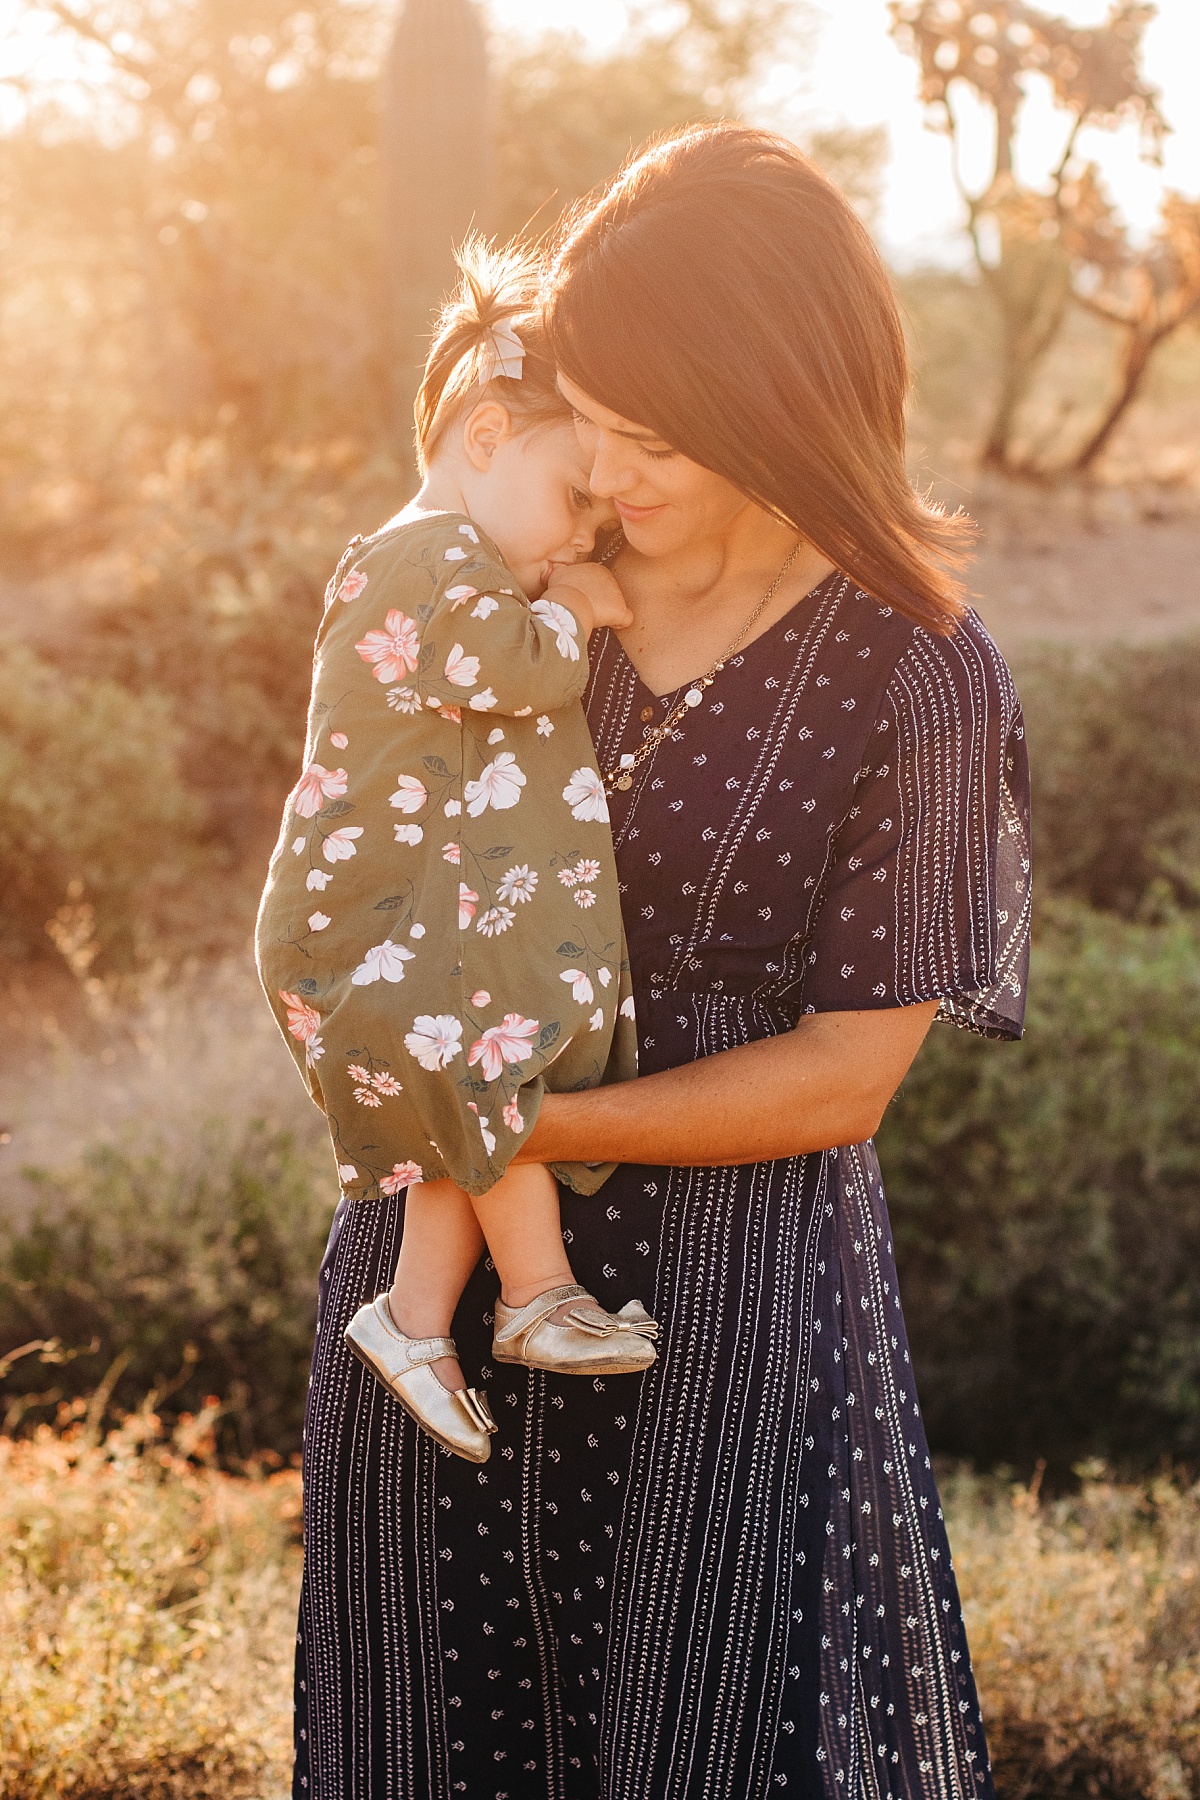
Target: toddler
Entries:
(440, 933)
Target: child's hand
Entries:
(592, 594)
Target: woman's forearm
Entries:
(825, 1083)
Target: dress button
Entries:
(647, 714)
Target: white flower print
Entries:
(499, 785)
(627, 1008)
(454, 554)
(568, 877)
(604, 976)
(581, 987)
(315, 786)
(347, 1172)
(317, 880)
(587, 869)
(418, 931)
(481, 997)
(512, 1117)
(403, 700)
(485, 607)
(356, 1072)
(366, 1097)
(385, 1083)
(395, 651)
(544, 725)
(496, 737)
(518, 884)
(318, 921)
(452, 808)
(469, 531)
(383, 962)
(563, 622)
(451, 853)
(596, 1022)
(298, 846)
(408, 834)
(338, 739)
(483, 701)
(505, 1043)
(462, 670)
(467, 899)
(458, 596)
(403, 1175)
(489, 1137)
(352, 587)
(435, 1040)
(410, 795)
(339, 846)
(495, 920)
(584, 897)
(584, 794)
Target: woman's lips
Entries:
(635, 514)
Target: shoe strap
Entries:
(514, 1323)
(416, 1351)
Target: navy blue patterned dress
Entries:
(730, 1578)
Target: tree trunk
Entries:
(1138, 351)
(437, 145)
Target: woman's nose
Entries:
(611, 473)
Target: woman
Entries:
(729, 1577)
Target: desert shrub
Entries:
(1045, 1198)
(187, 1272)
(1114, 745)
(148, 1617)
(92, 802)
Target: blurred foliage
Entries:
(148, 1617)
(183, 1272)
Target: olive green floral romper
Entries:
(440, 933)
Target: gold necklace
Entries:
(620, 776)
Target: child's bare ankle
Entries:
(518, 1294)
(417, 1318)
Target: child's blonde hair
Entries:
(500, 286)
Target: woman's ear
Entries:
(487, 426)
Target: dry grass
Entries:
(147, 1609)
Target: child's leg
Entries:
(521, 1223)
(441, 1245)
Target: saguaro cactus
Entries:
(438, 168)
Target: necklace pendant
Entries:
(624, 782)
(693, 697)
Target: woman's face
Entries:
(664, 500)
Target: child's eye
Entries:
(581, 500)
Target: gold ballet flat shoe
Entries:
(590, 1341)
(460, 1420)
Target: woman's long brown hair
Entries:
(723, 294)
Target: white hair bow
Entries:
(503, 353)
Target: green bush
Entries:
(92, 803)
(1045, 1199)
(198, 1270)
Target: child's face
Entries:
(529, 492)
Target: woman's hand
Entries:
(828, 1082)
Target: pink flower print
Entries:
(451, 853)
(518, 884)
(481, 998)
(467, 898)
(485, 608)
(584, 897)
(435, 1040)
(489, 1137)
(584, 794)
(563, 623)
(581, 987)
(352, 587)
(318, 921)
(356, 1072)
(407, 834)
(304, 1023)
(568, 877)
(544, 726)
(512, 1117)
(403, 1175)
(458, 596)
(386, 1084)
(596, 1022)
(604, 976)
(451, 714)
(499, 786)
(410, 795)
(505, 1043)
(315, 787)
(586, 869)
(395, 651)
(340, 846)
(461, 670)
(403, 700)
(383, 962)
(366, 1097)
(495, 920)
(483, 701)
(317, 880)
(338, 739)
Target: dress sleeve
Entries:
(926, 894)
(484, 646)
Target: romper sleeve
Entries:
(927, 888)
(484, 646)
